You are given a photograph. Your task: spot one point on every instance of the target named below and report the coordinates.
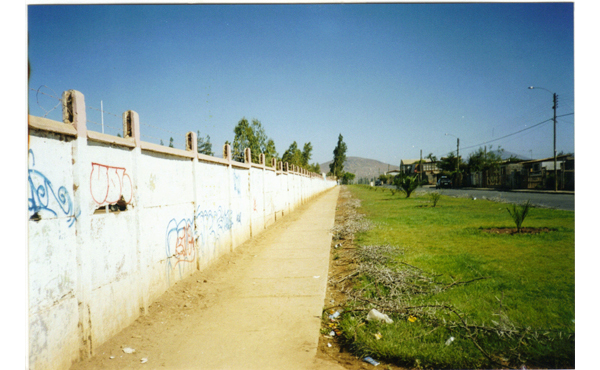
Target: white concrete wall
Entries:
(91, 271)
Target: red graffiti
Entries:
(180, 241)
(108, 184)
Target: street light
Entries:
(554, 107)
(457, 153)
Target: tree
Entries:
(270, 151)
(448, 164)
(171, 143)
(431, 157)
(293, 155)
(482, 160)
(347, 178)
(339, 157)
(204, 145)
(306, 154)
(161, 142)
(253, 136)
(315, 167)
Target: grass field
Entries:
(507, 300)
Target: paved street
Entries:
(542, 199)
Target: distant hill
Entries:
(362, 167)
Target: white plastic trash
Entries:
(375, 315)
(128, 350)
(450, 340)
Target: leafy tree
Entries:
(481, 160)
(448, 164)
(118, 135)
(204, 145)
(347, 178)
(161, 142)
(270, 151)
(306, 154)
(336, 168)
(171, 143)
(253, 136)
(315, 167)
(293, 155)
(431, 157)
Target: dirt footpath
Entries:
(258, 307)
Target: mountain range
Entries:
(362, 167)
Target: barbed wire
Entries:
(158, 128)
(104, 111)
(37, 99)
(105, 125)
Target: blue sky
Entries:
(391, 78)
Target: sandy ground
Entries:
(258, 307)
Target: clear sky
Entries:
(391, 78)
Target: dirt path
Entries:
(257, 308)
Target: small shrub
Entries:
(435, 197)
(518, 213)
(407, 184)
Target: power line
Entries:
(517, 132)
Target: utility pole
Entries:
(555, 171)
(457, 154)
(555, 101)
(421, 167)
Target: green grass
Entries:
(529, 278)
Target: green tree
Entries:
(347, 178)
(336, 168)
(482, 160)
(293, 155)
(204, 145)
(315, 167)
(448, 164)
(253, 136)
(161, 142)
(306, 154)
(171, 143)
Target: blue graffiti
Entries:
(238, 218)
(42, 191)
(211, 224)
(237, 186)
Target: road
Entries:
(541, 199)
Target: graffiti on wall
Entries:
(208, 226)
(237, 184)
(44, 199)
(180, 246)
(108, 184)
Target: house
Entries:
(539, 173)
(428, 168)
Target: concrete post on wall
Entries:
(74, 113)
(131, 130)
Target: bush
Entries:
(518, 213)
(435, 197)
(408, 184)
